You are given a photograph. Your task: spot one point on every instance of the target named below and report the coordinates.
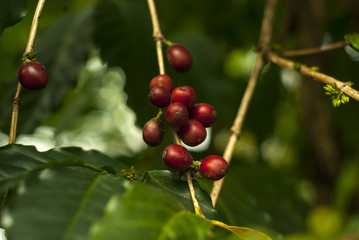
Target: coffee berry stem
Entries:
(28, 51)
(160, 113)
(159, 38)
(176, 138)
(29, 57)
(167, 42)
(197, 208)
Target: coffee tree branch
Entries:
(306, 71)
(264, 41)
(29, 49)
(315, 50)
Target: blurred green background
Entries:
(295, 169)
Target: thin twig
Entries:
(28, 49)
(15, 114)
(159, 38)
(344, 87)
(263, 47)
(157, 35)
(315, 50)
(16, 100)
(177, 139)
(197, 208)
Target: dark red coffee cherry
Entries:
(153, 132)
(159, 97)
(204, 113)
(185, 95)
(176, 115)
(213, 167)
(162, 80)
(32, 76)
(179, 58)
(177, 157)
(192, 133)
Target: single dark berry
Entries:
(32, 76)
(162, 80)
(213, 167)
(159, 97)
(185, 95)
(204, 113)
(176, 115)
(192, 133)
(153, 132)
(177, 157)
(179, 58)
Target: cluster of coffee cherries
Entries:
(32, 75)
(188, 119)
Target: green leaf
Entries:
(185, 225)
(259, 197)
(179, 190)
(353, 40)
(140, 213)
(11, 12)
(62, 204)
(242, 232)
(63, 49)
(330, 89)
(18, 161)
(338, 97)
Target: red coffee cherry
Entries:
(162, 80)
(204, 113)
(159, 97)
(177, 157)
(185, 95)
(192, 133)
(214, 167)
(179, 58)
(32, 76)
(153, 132)
(176, 115)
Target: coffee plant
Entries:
(133, 119)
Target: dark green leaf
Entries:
(353, 40)
(11, 12)
(179, 190)
(62, 204)
(17, 161)
(258, 197)
(185, 225)
(140, 213)
(123, 33)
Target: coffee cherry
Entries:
(177, 157)
(192, 133)
(204, 113)
(162, 80)
(179, 58)
(159, 97)
(32, 76)
(176, 115)
(185, 95)
(213, 167)
(153, 132)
